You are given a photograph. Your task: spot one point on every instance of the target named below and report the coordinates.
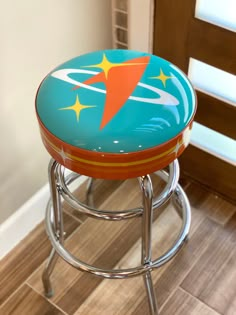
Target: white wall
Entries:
(36, 36)
(141, 25)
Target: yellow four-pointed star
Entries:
(106, 65)
(77, 107)
(162, 77)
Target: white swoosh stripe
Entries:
(164, 98)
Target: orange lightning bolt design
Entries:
(120, 83)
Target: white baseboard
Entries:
(23, 221)
(26, 218)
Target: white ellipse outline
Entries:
(164, 98)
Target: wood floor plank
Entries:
(26, 257)
(102, 189)
(182, 303)
(209, 259)
(126, 293)
(98, 242)
(66, 295)
(179, 267)
(107, 258)
(215, 207)
(27, 302)
(214, 276)
(94, 232)
(221, 292)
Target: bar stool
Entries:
(115, 114)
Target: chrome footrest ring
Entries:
(183, 204)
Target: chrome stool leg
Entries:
(57, 225)
(147, 192)
(89, 192)
(177, 202)
(52, 259)
(54, 226)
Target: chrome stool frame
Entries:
(55, 229)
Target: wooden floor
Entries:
(200, 280)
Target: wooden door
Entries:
(178, 35)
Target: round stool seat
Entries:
(115, 114)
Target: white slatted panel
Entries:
(219, 12)
(120, 23)
(206, 78)
(214, 143)
(213, 81)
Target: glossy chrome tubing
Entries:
(171, 180)
(152, 302)
(89, 192)
(146, 259)
(130, 272)
(177, 202)
(58, 228)
(147, 196)
(92, 212)
(181, 238)
(48, 269)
